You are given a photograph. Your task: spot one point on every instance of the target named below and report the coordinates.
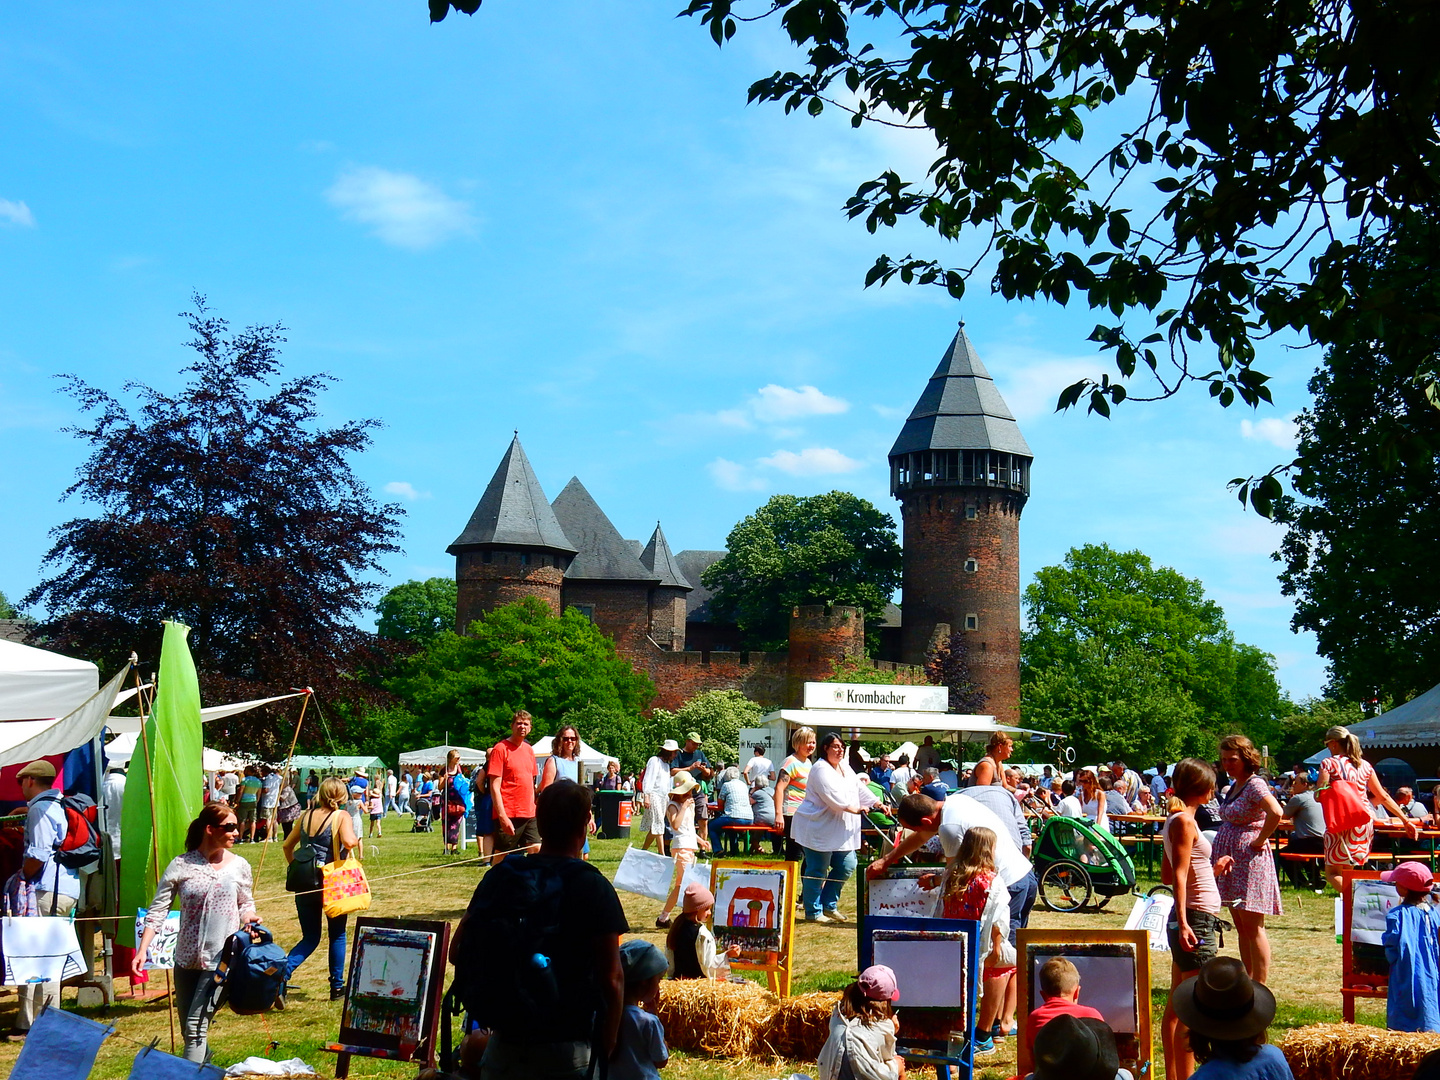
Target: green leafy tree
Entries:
(7, 610)
(861, 669)
(1301, 732)
(517, 656)
(835, 548)
(1109, 622)
(417, 610)
(1363, 529)
(716, 715)
(1196, 172)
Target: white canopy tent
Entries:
(893, 722)
(437, 756)
(119, 751)
(593, 760)
(39, 685)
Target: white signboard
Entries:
(871, 696)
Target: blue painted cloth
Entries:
(1413, 949)
(60, 1046)
(1268, 1064)
(152, 1064)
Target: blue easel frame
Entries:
(933, 1051)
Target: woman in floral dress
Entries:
(1244, 867)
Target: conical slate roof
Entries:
(657, 557)
(604, 555)
(513, 512)
(961, 409)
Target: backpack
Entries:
(251, 974)
(81, 846)
(503, 973)
(303, 873)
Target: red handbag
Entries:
(1345, 807)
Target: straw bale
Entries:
(722, 1019)
(799, 1027)
(1355, 1052)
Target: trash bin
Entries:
(612, 815)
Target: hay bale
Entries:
(722, 1019)
(799, 1027)
(1355, 1052)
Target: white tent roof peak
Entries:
(36, 684)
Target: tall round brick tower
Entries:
(961, 470)
(512, 546)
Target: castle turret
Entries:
(513, 547)
(667, 598)
(961, 470)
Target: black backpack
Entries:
(504, 972)
(251, 972)
(303, 873)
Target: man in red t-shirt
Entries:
(510, 768)
(1060, 987)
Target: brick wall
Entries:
(819, 636)
(679, 676)
(620, 608)
(667, 618)
(939, 538)
(483, 586)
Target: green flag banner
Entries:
(165, 784)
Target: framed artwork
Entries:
(755, 909)
(1114, 968)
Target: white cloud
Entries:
(405, 490)
(732, 476)
(16, 213)
(812, 461)
(783, 403)
(891, 412)
(400, 208)
(1275, 430)
(1030, 381)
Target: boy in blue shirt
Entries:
(640, 1051)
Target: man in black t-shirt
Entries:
(581, 947)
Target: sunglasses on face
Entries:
(568, 738)
(229, 826)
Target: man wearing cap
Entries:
(57, 887)
(655, 794)
(693, 761)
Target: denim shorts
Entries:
(1207, 939)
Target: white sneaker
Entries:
(836, 916)
(821, 918)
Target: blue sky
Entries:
(559, 217)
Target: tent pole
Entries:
(154, 838)
(284, 775)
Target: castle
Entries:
(960, 469)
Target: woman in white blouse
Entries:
(827, 828)
(214, 887)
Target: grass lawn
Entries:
(1305, 974)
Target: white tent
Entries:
(437, 755)
(593, 760)
(124, 724)
(40, 685)
(119, 751)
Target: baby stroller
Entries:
(1075, 862)
(424, 821)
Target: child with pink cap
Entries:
(690, 946)
(863, 1029)
(1412, 945)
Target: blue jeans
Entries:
(310, 907)
(718, 840)
(825, 874)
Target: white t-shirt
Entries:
(1070, 807)
(760, 765)
(229, 783)
(900, 780)
(961, 813)
(391, 784)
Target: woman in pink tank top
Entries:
(1193, 929)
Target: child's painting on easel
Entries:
(1113, 969)
(755, 910)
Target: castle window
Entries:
(485, 556)
(972, 622)
(524, 558)
(971, 513)
(971, 566)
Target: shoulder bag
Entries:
(1345, 807)
(346, 887)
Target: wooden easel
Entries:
(777, 971)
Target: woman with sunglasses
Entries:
(827, 828)
(214, 888)
(564, 764)
(1092, 799)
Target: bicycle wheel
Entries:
(1065, 886)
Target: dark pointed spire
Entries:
(961, 409)
(604, 555)
(657, 557)
(513, 512)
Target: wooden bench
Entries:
(754, 835)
